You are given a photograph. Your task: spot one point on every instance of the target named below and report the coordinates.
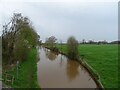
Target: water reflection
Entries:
(72, 69)
(61, 61)
(50, 54)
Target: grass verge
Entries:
(27, 72)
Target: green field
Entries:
(103, 58)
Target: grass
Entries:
(27, 73)
(104, 59)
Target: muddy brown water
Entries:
(57, 71)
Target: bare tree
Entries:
(51, 41)
(83, 41)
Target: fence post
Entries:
(17, 68)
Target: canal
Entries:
(57, 71)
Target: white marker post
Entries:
(17, 68)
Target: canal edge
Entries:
(91, 71)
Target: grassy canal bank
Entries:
(27, 72)
(102, 58)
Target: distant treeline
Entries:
(99, 42)
(93, 42)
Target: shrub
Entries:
(72, 48)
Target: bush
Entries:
(21, 50)
(55, 49)
(72, 48)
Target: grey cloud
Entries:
(96, 21)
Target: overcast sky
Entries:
(84, 20)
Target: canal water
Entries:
(57, 71)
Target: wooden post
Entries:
(17, 68)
